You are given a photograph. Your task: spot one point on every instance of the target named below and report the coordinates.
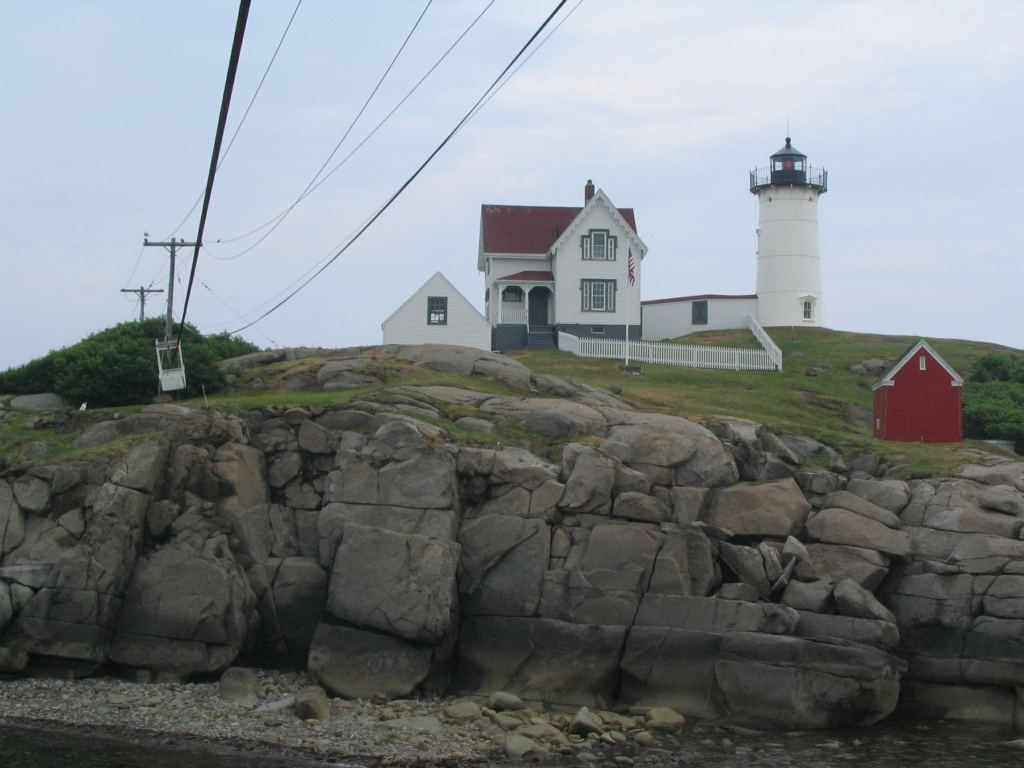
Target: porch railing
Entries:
(513, 316)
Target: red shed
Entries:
(918, 400)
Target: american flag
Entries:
(631, 268)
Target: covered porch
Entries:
(525, 311)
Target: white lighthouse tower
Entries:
(788, 259)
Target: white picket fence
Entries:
(769, 358)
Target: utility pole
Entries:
(172, 246)
(142, 298)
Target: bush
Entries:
(118, 366)
(999, 367)
(994, 400)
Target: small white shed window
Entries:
(922, 364)
(437, 310)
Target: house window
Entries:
(437, 310)
(808, 310)
(699, 313)
(597, 330)
(598, 295)
(921, 364)
(513, 294)
(598, 245)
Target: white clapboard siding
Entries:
(769, 358)
(466, 327)
(669, 319)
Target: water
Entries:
(942, 745)
(32, 747)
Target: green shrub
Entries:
(117, 366)
(999, 367)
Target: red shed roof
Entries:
(888, 380)
(530, 276)
(529, 228)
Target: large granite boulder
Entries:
(550, 417)
(86, 568)
(185, 611)
(840, 526)
(503, 562)
(540, 659)
(12, 520)
(396, 583)
(672, 450)
(360, 664)
(588, 488)
(775, 509)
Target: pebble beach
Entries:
(406, 732)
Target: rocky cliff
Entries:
(635, 559)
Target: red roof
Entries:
(529, 228)
(701, 297)
(531, 277)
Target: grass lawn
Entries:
(819, 405)
(792, 401)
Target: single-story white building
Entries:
(438, 314)
(683, 315)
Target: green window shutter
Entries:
(585, 246)
(611, 295)
(612, 244)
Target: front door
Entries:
(539, 306)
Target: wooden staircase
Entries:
(541, 337)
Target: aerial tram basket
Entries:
(170, 365)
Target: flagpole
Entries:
(627, 321)
(630, 281)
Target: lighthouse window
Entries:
(598, 245)
(808, 310)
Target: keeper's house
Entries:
(549, 269)
(919, 399)
(437, 314)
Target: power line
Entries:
(234, 311)
(416, 173)
(229, 85)
(523, 63)
(244, 115)
(368, 136)
(279, 219)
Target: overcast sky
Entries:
(109, 111)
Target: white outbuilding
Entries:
(438, 314)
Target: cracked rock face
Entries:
(653, 563)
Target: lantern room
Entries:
(789, 165)
(789, 168)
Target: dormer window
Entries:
(598, 245)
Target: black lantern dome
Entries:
(789, 165)
(789, 168)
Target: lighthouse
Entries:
(788, 258)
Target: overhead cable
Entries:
(225, 104)
(416, 173)
(275, 222)
(245, 114)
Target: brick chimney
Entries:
(588, 191)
